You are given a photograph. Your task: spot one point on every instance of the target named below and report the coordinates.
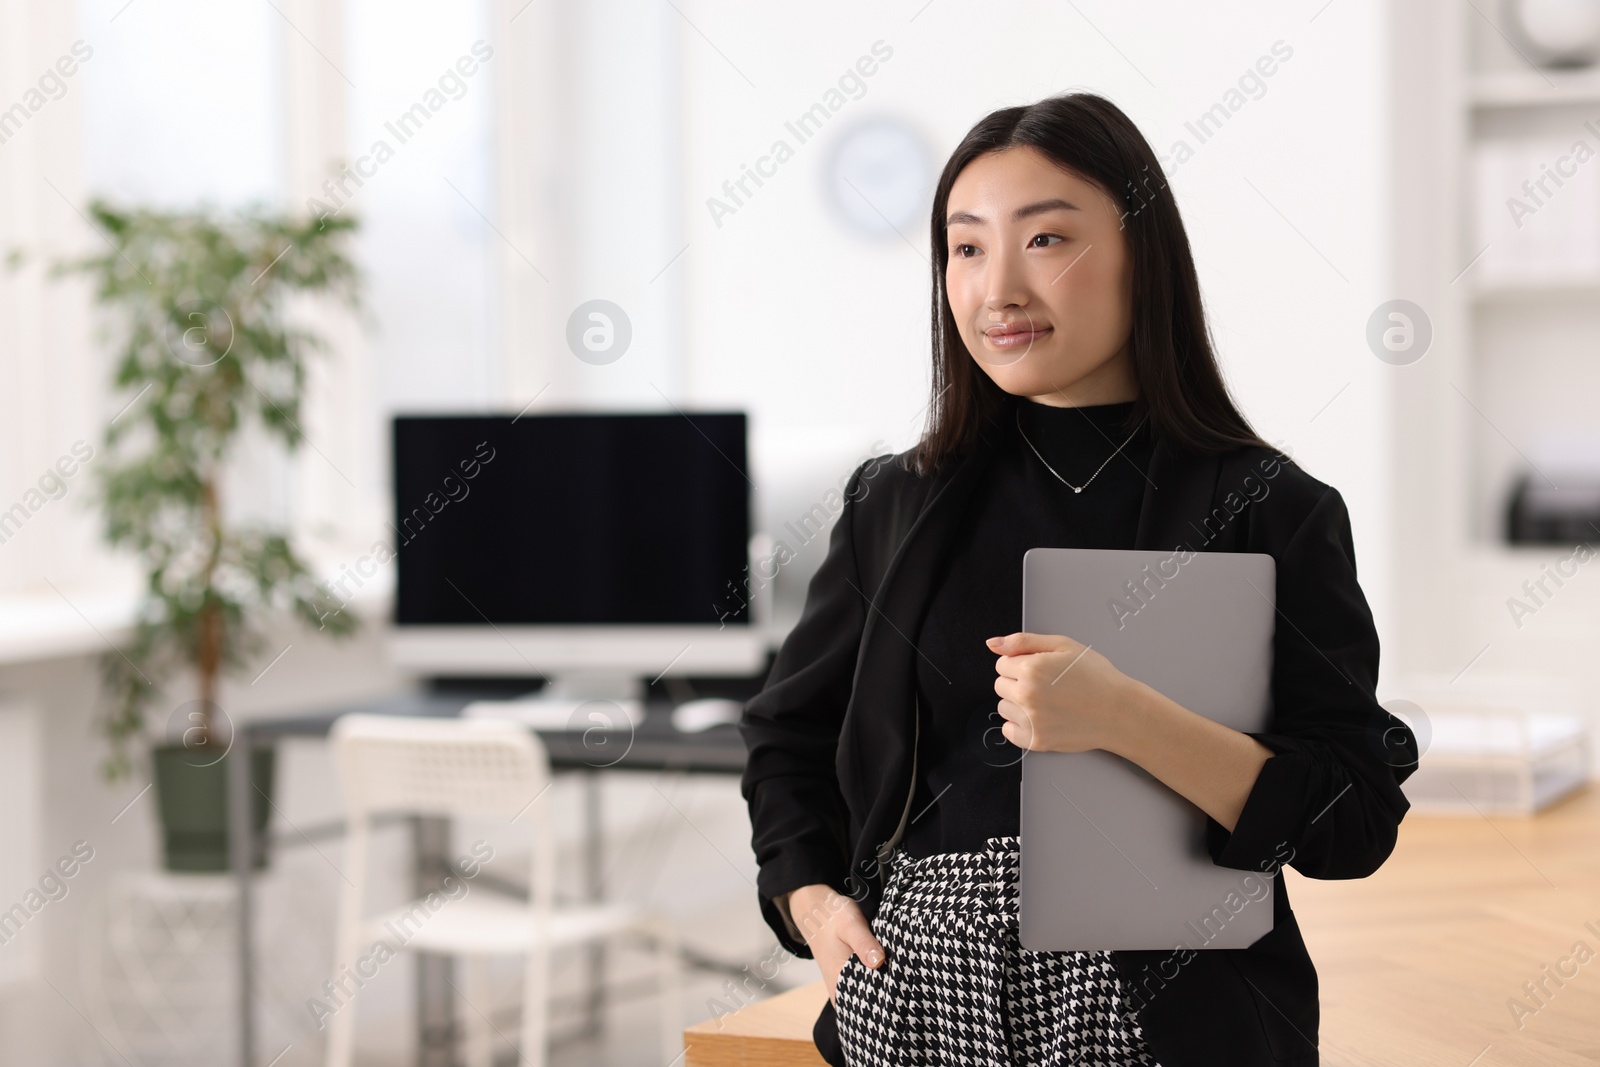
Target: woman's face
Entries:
(1040, 280)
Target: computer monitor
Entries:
(593, 549)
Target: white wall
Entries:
(426, 250)
(821, 334)
(813, 327)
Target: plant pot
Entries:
(192, 797)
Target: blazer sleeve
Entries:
(1328, 801)
(798, 819)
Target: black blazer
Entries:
(831, 736)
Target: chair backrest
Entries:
(439, 766)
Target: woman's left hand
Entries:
(1057, 694)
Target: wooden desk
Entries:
(775, 1032)
(653, 745)
(1417, 962)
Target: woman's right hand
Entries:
(834, 929)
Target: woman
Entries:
(1076, 403)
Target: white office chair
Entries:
(475, 767)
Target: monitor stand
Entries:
(575, 700)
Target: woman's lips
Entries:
(1002, 337)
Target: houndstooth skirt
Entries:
(956, 987)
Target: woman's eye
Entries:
(1047, 238)
(966, 251)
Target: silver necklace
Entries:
(1052, 470)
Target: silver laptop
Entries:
(1111, 857)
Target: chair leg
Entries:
(535, 1006)
(669, 986)
(339, 1050)
(479, 1051)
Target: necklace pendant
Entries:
(1053, 471)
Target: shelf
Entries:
(1491, 573)
(1533, 288)
(1500, 558)
(1531, 88)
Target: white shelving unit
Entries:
(1528, 88)
(1511, 359)
(1503, 745)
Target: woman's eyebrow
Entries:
(1027, 211)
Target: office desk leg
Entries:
(594, 892)
(436, 1030)
(241, 854)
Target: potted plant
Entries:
(204, 350)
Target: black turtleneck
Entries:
(968, 775)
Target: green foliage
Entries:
(205, 347)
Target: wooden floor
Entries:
(1418, 963)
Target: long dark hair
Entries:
(1180, 386)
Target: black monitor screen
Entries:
(550, 519)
